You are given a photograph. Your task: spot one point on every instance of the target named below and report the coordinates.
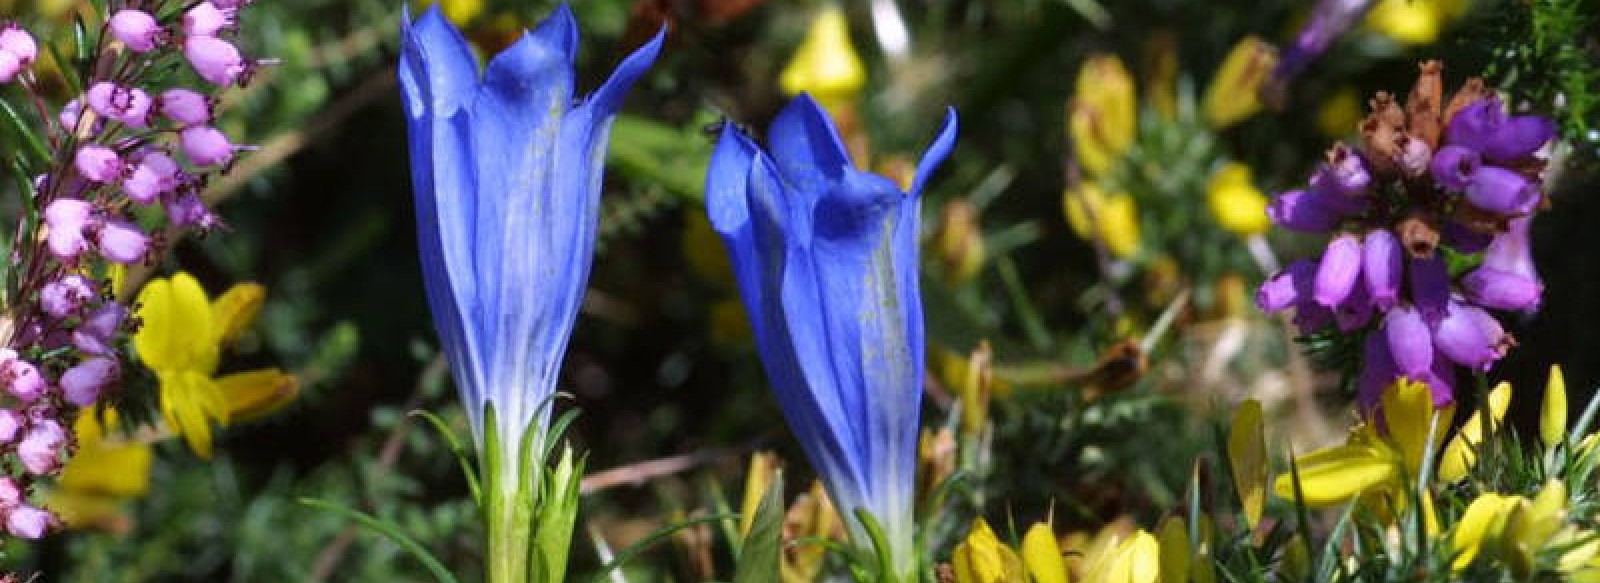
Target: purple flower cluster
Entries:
(123, 144)
(1433, 179)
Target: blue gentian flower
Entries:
(506, 169)
(826, 260)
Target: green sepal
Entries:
(761, 550)
(456, 449)
(557, 515)
(880, 545)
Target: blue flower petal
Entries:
(807, 147)
(942, 144)
(560, 31)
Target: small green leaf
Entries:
(389, 530)
(35, 145)
(762, 547)
(456, 449)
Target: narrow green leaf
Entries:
(455, 448)
(556, 430)
(31, 139)
(389, 530)
(763, 546)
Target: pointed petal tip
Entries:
(943, 143)
(559, 29)
(608, 97)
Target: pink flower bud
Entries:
(215, 60)
(136, 29)
(10, 424)
(98, 164)
(22, 379)
(1338, 271)
(82, 384)
(129, 105)
(155, 174)
(27, 522)
(9, 67)
(65, 296)
(206, 19)
(206, 146)
(187, 107)
(40, 447)
(19, 43)
(122, 242)
(10, 491)
(66, 218)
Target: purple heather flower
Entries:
(65, 296)
(1288, 287)
(1470, 336)
(1410, 341)
(82, 384)
(1501, 191)
(1501, 290)
(95, 333)
(1338, 270)
(1430, 286)
(137, 29)
(215, 60)
(1453, 167)
(27, 522)
(186, 106)
(188, 210)
(122, 241)
(1311, 211)
(1484, 126)
(18, 43)
(98, 164)
(10, 425)
(206, 146)
(128, 105)
(206, 19)
(21, 378)
(39, 446)
(66, 218)
(153, 175)
(1382, 267)
(1344, 174)
(10, 491)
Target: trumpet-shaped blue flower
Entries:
(506, 169)
(826, 260)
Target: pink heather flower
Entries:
(1289, 288)
(1410, 341)
(95, 333)
(1382, 266)
(9, 67)
(206, 146)
(1470, 336)
(65, 296)
(1338, 271)
(137, 29)
(154, 175)
(1501, 191)
(10, 492)
(10, 424)
(215, 60)
(98, 164)
(40, 447)
(206, 19)
(82, 384)
(122, 242)
(66, 218)
(1484, 126)
(1344, 174)
(22, 379)
(186, 106)
(27, 522)
(19, 44)
(188, 210)
(1413, 157)
(129, 105)
(1453, 166)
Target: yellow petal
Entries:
(1482, 521)
(1103, 116)
(106, 467)
(190, 403)
(1233, 94)
(1041, 554)
(1083, 206)
(1140, 560)
(257, 393)
(982, 558)
(1247, 456)
(235, 310)
(825, 65)
(1553, 415)
(1542, 518)
(83, 511)
(1119, 228)
(757, 480)
(1461, 454)
(1336, 475)
(1173, 536)
(1412, 22)
(177, 332)
(1408, 413)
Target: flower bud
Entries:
(40, 446)
(98, 164)
(1425, 105)
(215, 60)
(19, 44)
(1519, 137)
(1471, 337)
(137, 29)
(66, 218)
(82, 383)
(122, 242)
(9, 67)
(1309, 210)
(24, 521)
(1452, 167)
(1235, 202)
(1383, 265)
(1291, 286)
(1338, 270)
(206, 146)
(1233, 94)
(22, 379)
(154, 175)
(1410, 342)
(186, 106)
(1102, 118)
(206, 19)
(1502, 192)
(65, 296)
(10, 424)
(128, 105)
(1501, 290)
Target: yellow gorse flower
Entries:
(106, 470)
(1553, 411)
(1462, 452)
(1247, 456)
(1103, 115)
(1134, 560)
(1513, 529)
(1235, 202)
(1041, 555)
(461, 12)
(1113, 220)
(181, 340)
(825, 65)
(1234, 92)
(1413, 22)
(982, 558)
(1370, 461)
